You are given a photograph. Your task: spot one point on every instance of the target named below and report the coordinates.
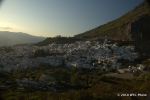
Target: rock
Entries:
(140, 30)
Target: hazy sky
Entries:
(60, 17)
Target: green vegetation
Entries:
(40, 53)
(78, 84)
(120, 28)
(81, 84)
(58, 40)
(6, 49)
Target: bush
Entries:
(41, 53)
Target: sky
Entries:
(50, 18)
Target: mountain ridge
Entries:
(132, 27)
(13, 38)
(118, 29)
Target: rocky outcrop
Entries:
(131, 27)
(140, 33)
(119, 29)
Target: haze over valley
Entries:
(14, 38)
(76, 50)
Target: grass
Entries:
(118, 29)
(93, 85)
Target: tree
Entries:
(61, 75)
(1, 67)
(41, 53)
(75, 77)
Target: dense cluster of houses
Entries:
(81, 54)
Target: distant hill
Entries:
(120, 28)
(13, 38)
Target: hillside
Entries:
(59, 40)
(12, 38)
(133, 27)
(120, 28)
